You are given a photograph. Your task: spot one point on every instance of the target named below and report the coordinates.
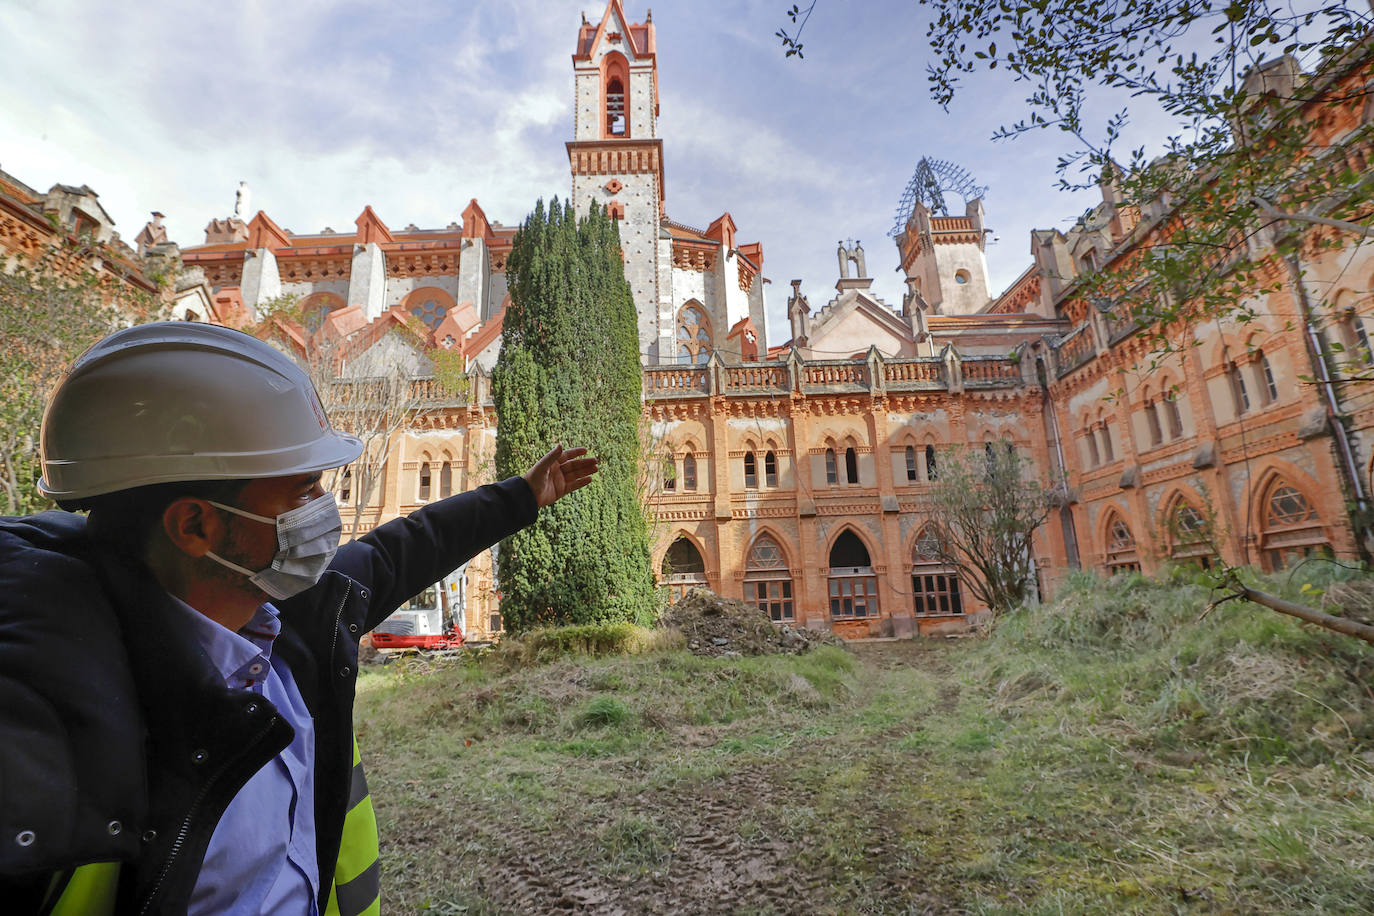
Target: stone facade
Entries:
(793, 475)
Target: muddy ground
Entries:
(751, 837)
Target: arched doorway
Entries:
(683, 568)
(853, 586)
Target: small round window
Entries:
(961, 277)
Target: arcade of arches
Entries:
(796, 442)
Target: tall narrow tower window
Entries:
(615, 107)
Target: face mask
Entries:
(307, 538)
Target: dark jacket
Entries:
(118, 739)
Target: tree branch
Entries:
(1275, 213)
(1302, 612)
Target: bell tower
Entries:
(616, 157)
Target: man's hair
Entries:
(128, 518)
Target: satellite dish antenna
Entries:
(932, 180)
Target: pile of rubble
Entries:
(728, 627)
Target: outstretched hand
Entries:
(559, 473)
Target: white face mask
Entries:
(307, 538)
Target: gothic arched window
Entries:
(1108, 452)
(1291, 529)
(767, 580)
(910, 463)
(1269, 389)
(1090, 440)
(1240, 395)
(832, 475)
(853, 586)
(770, 470)
(422, 491)
(1122, 555)
(1171, 411)
(1152, 421)
(693, 334)
(751, 471)
(689, 471)
(851, 466)
(1189, 533)
(934, 583)
(615, 107)
(932, 473)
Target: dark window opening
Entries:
(751, 471)
(848, 550)
(615, 107)
(1174, 415)
(851, 466)
(683, 568)
(770, 469)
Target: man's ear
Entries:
(192, 525)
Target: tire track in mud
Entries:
(716, 870)
(532, 880)
(710, 868)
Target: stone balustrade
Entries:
(875, 373)
(921, 372)
(1074, 350)
(755, 376)
(674, 381)
(991, 372)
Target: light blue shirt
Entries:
(261, 857)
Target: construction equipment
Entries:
(423, 622)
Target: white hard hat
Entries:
(181, 400)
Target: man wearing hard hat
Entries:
(177, 668)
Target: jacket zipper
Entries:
(338, 617)
(200, 796)
(190, 815)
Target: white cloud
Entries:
(325, 107)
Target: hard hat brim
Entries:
(126, 472)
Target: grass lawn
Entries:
(1107, 753)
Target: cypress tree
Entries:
(569, 373)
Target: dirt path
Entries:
(754, 837)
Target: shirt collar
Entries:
(242, 658)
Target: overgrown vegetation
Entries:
(569, 373)
(1103, 753)
(984, 510)
(52, 308)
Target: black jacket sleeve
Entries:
(398, 560)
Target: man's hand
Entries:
(559, 473)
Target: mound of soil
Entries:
(728, 627)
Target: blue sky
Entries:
(324, 107)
